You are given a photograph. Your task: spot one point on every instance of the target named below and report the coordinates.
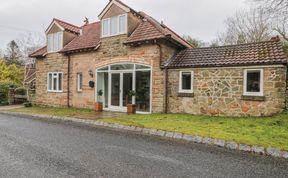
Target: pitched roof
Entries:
(39, 53)
(30, 75)
(89, 38)
(150, 29)
(67, 26)
(260, 53)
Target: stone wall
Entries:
(218, 91)
(52, 63)
(112, 50)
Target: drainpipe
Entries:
(68, 82)
(166, 90)
(286, 89)
(165, 79)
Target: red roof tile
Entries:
(150, 29)
(68, 26)
(39, 53)
(260, 53)
(90, 38)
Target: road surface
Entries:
(45, 148)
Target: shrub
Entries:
(20, 91)
(3, 103)
(27, 104)
(4, 88)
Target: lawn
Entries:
(69, 112)
(265, 131)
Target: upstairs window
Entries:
(55, 83)
(55, 42)
(253, 82)
(186, 82)
(114, 26)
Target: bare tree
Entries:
(278, 12)
(13, 54)
(28, 43)
(193, 41)
(246, 26)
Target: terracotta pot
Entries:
(131, 109)
(98, 106)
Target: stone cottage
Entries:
(127, 50)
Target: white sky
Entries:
(202, 19)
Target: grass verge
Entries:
(266, 131)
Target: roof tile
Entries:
(268, 52)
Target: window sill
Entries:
(253, 98)
(185, 94)
(55, 91)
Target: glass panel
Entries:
(122, 67)
(122, 24)
(103, 68)
(50, 82)
(80, 81)
(60, 82)
(105, 27)
(102, 84)
(253, 81)
(55, 42)
(127, 87)
(115, 89)
(142, 67)
(114, 26)
(143, 91)
(54, 83)
(186, 81)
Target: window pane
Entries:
(50, 42)
(59, 47)
(80, 81)
(60, 82)
(50, 82)
(122, 67)
(54, 84)
(55, 42)
(104, 68)
(253, 81)
(143, 91)
(122, 24)
(142, 67)
(186, 81)
(114, 26)
(105, 27)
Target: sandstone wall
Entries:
(52, 63)
(219, 92)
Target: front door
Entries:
(121, 85)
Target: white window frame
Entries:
(181, 90)
(118, 26)
(57, 83)
(51, 44)
(261, 92)
(79, 87)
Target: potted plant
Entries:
(131, 108)
(99, 104)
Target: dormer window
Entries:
(55, 42)
(114, 26)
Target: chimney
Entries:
(275, 38)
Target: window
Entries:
(79, 81)
(55, 41)
(186, 82)
(55, 83)
(253, 82)
(114, 26)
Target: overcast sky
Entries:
(202, 19)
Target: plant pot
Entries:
(98, 106)
(131, 109)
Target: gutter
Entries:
(68, 82)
